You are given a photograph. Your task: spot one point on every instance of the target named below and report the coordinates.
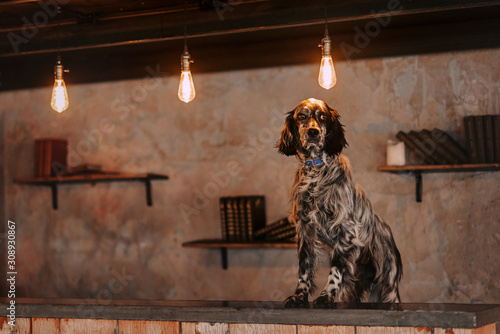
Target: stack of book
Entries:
(241, 216)
(483, 138)
(282, 230)
(50, 156)
(434, 147)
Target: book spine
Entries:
(267, 229)
(479, 132)
(470, 138)
(451, 145)
(236, 218)
(258, 205)
(231, 225)
(39, 151)
(242, 218)
(445, 156)
(488, 139)
(425, 148)
(249, 219)
(496, 137)
(275, 234)
(288, 234)
(419, 156)
(47, 157)
(223, 218)
(59, 157)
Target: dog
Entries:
(331, 210)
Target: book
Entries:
(428, 148)
(470, 139)
(242, 219)
(417, 157)
(451, 145)
(231, 222)
(445, 156)
(241, 216)
(256, 217)
(489, 148)
(50, 156)
(39, 147)
(479, 133)
(223, 218)
(86, 168)
(289, 235)
(279, 230)
(496, 137)
(282, 232)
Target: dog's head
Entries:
(311, 129)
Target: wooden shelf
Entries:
(53, 182)
(419, 169)
(223, 245)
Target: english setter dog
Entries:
(331, 210)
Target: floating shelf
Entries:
(418, 170)
(53, 182)
(223, 245)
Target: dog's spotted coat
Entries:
(331, 210)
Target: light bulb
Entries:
(186, 85)
(327, 77)
(59, 101)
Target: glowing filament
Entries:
(186, 87)
(327, 78)
(59, 101)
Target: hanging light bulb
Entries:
(327, 77)
(186, 85)
(59, 101)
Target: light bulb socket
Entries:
(185, 61)
(326, 45)
(58, 70)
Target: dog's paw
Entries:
(324, 301)
(297, 300)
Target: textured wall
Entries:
(104, 242)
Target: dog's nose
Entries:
(312, 133)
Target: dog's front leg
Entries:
(342, 276)
(327, 297)
(307, 259)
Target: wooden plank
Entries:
(4, 325)
(489, 329)
(304, 329)
(392, 330)
(91, 178)
(23, 326)
(45, 325)
(147, 327)
(440, 168)
(204, 328)
(88, 326)
(188, 327)
(262, 329)
(218, 243)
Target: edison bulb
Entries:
(186, 87)
(327, 77)
(59, 101)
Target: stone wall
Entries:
(104, 242)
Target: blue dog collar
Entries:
(313, 162)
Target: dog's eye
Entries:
(322, 117)
(301, 117)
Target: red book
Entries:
(50, 156)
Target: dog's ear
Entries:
(335, 138)
(287, 144)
